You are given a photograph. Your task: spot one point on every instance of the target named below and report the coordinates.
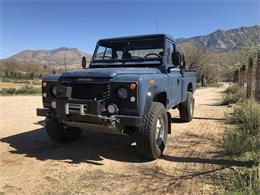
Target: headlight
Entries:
(54, 90)
(44, 84)
(122, 93)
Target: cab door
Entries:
(174, 76)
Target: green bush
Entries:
(214, 84)
(26, 90)
(12, 80)
(247, 115)
(245, 181)
(235, 143)
(8, 91)
(233, 94)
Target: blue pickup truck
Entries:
(130, 86)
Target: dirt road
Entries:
(99, 163)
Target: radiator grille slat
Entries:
(91, 91)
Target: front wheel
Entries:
(152, 136)
(61, 133)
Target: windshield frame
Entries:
(127, 62)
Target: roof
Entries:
(139, 37)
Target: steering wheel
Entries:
(107, 57)
(152, 54)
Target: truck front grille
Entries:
(91, 91)
(98, 90)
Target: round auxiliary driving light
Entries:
(44, 95)
(53, 104)
(112, 108)
(122, 93)
(132, 99)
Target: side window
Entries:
(104, 53)
(101, 51)
(170, 50)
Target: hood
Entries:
(108, 72)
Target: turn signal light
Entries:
(152, 82)
(44, 84)
(132, 86)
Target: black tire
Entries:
(148, 143)
(61, 133)
(187, 108)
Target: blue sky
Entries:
(51, 24)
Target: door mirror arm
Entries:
(84, 62)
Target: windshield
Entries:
(138, 51)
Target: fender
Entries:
(51, 77)
(151, 94)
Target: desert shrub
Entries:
(8, 91)
(198, 85)
(235, 143)
(15, 80)
(245, 181)
(214, 84)
(246, 137)
(233, 94)
(247, 115)
(26, 90)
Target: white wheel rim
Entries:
(159, 130)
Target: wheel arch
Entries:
(190, 87)
(154, 95)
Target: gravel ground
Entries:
(99, 163)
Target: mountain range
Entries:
(59, 56)
(221, 40)
(217, 41)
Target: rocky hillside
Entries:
(59, 56)
(229, 40)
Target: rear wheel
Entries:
(152, 136)
(61, 133)
(186, 108)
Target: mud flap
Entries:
(169, 122)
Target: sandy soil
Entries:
(16, 85)
(10, 85)
(99, 163)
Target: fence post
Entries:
(235, 76)
(249, 78)
(257, 84)
(240, 77)
(202, 80)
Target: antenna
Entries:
(156, 26)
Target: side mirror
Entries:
(176, 58)
(183, 60)
(84, 62)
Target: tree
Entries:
(198, 58)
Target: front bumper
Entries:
(118, 119)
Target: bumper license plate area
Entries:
(81, 107)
